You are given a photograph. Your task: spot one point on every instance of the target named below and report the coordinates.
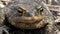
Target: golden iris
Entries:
(39, 9)
(21, 11)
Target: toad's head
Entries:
(27, 14)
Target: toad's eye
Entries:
(21, 11)
(39, 9)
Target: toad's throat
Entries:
(28, 19)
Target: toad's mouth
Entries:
(33, 19)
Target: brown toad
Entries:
(27, 14)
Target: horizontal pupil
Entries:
(20, 11)
(41, 10)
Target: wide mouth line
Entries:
(32, 22)
(27, 19)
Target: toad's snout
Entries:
(33, 19)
